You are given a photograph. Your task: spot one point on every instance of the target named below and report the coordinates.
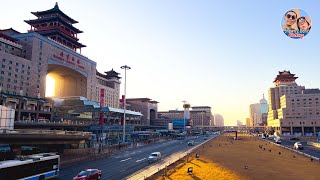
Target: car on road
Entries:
(196, 137)
(263, 137)
(297, 145)
(191, 143)
(278, 141)
(89, 174)
(294, 139)
(155, 156)
(205, 137)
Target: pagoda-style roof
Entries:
(112, 74)
(109, 74)
(53, 19)
(61, 34)
(7, 37)
(9, 31)
(55, 10)
(285, 76)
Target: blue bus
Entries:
(32, 167)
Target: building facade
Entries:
(258, 113)
(293, 110)
(218, 120)
(146, 106)
(47, 62)
(200, 117)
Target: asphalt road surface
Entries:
(125, 163)
(308, 149)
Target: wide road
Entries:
(308, 149)
(125, 163)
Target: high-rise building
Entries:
(258, 113)
(293, 110)
(247, 122)
(255, 112)
(239, 123)
(218, 120)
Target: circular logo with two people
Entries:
(296, 23)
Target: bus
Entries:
(37, 166)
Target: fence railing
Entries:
(153, 169)
(313, 144)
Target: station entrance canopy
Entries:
(79, 104)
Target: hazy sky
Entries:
(224, 54)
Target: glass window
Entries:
(28, 73)
(10, 62)
(9, 80)
(17, 64)
(3, 60)
(9, 74)
(28, 67)
(15, 75)
(22, 65)
(3, 66)
(10, 68)
(2, 72)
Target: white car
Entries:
(278, 141)
(297, 145)
(155, 156)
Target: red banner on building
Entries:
(101, 97)
(101, 105)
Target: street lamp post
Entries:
(125, 67)
(184, 115)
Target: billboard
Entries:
(180, 122)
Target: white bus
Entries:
(32, 167)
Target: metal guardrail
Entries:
(153, 169)
(290, 149)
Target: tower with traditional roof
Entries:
(56, 25)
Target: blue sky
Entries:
(224, 54)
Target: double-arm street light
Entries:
(125, 67)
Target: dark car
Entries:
(294, 139)
(89, 174)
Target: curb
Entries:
(153, 169)
(293, 150)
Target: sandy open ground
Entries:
(247, 158)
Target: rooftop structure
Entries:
(55, 24)
(284, 77)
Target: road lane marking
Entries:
(125, 160)
(140, 160)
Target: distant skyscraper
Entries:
(239, 123)
(255, 112)
(258, 113)
(263, 105)
(247, 122)
(218, 120)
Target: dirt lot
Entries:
(247, 158)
